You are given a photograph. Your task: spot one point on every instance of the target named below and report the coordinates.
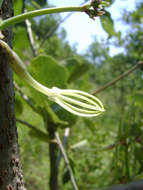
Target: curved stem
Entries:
(21, 70)
(31, 14)
(36, 85)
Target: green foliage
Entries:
(47, 71)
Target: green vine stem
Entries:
(16, 19)
(95, 8)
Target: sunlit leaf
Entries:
(108, 24)
(48, 72)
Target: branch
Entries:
(30, 36)
(65, 139)
(66, 161)
(139, 64)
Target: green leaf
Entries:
(21, 40)
(18, 6)
(48, 72)
(76, 68)
(108, 24)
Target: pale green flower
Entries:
(75, 101)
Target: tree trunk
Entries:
(10, 169)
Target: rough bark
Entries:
(10, 169)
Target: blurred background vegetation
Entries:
(102, 151)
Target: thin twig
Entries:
(25, 98)
(108, 147)
(30, 36)
(118, 78)
(53, 29)
(111, 146)
(37, 133)
(65, 139)
(66, 161)
(26, 124)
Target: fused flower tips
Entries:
(78, 102)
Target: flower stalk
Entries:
(19, 18)
(75, 101)
(95, 8)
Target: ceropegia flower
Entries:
(78, 102)
(75, 101)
